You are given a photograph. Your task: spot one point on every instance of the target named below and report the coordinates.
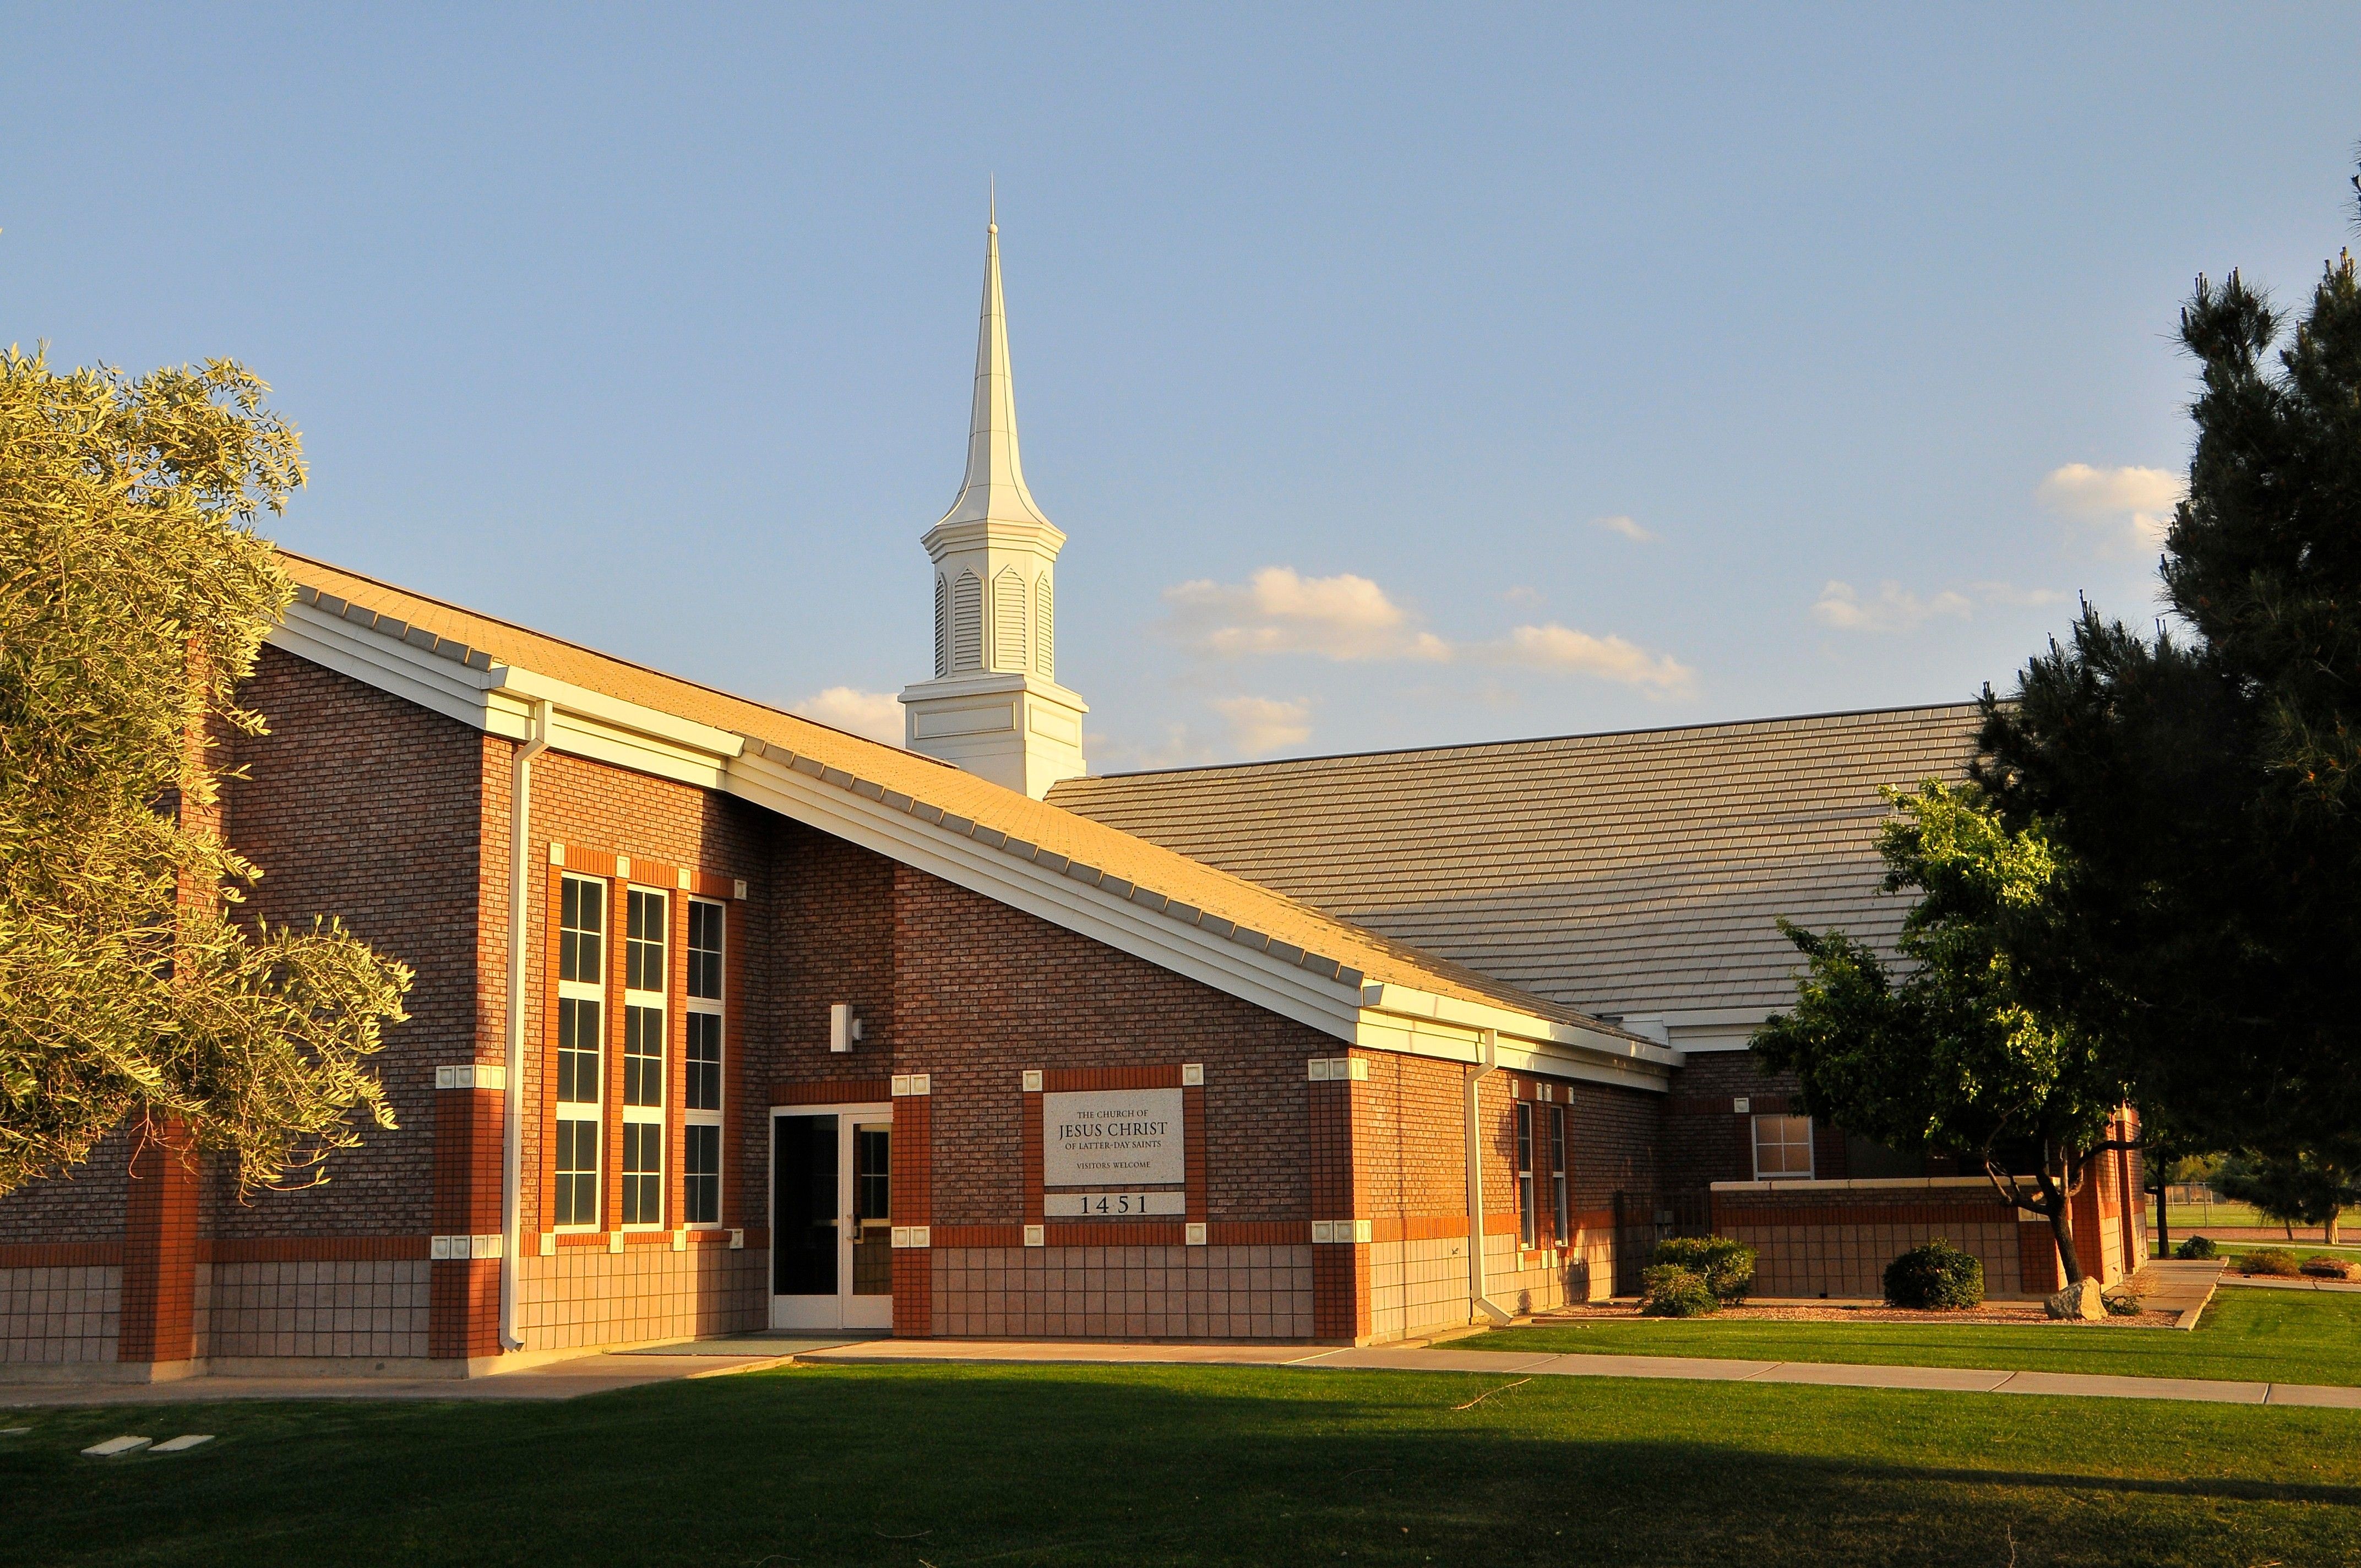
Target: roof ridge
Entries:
(1731, 725)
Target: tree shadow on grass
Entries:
(1065, 1466)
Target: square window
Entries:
(701, 1169)
(704, 950)
(582, 929)
(643, 942)
(1782, 1149)
(643, 1056)
(704, 1086)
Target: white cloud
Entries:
(1262, 724)
(1350, 618)
(2122, 510)
(1626, 526)
(1523, 593)
(877, 715)
(1279, 610)
(1894, 610)
(1563, 650)
(2015, 597)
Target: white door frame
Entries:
(844, 1310)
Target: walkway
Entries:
(1391, 1358)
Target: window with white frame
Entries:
(1782, 1147)
(581, 1018)
(644, 1057)
(1524, 1173)
(1564, 1231)
(700, 1147)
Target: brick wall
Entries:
(985, 991)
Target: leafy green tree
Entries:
(1950, 1055)
(2206, 780)
(2297, 1189)
(134, 596)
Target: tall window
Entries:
(700, 1160)
(1782, 1147)
(581, 1004)
(1524, 1173)
(644, 1057)
(1558, 1212)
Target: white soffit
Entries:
(464, 684)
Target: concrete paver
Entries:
(2102, 1386)
(1378, 1358)
(2315, 1395)
(556, 1380)
(1846, 1375)
(1695, 1368)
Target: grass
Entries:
(1016, 1467)
(2247, 1335)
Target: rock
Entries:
(2082, 1300)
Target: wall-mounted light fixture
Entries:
(843, 1027)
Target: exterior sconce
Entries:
(843, 1027)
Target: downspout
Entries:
(1489, 1059)
(520, 930)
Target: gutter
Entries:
(513, 1079)
(1478, 1301)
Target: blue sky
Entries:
(1400, 376)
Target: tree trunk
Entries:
(2062, 1230)
(2163, 1223)
(2333, 1215)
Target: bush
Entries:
(1673, 1291)
(1727, 1266)
(2325, 1267)
(2195, 1247)
(1936, 1277)
(2272, 1260)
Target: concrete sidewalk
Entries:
(1511, 1364)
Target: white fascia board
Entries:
(499, 699)
(1421, 1037)
(1543, 1035)
(601, 710)
(1328, 1005)
(416, 675)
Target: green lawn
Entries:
(2254, 1335)
(1172, 1465)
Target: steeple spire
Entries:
(994, 488)
(993, 705)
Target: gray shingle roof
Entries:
(1630, 873)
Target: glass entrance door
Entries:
(831, 1218)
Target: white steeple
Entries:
(994, 488)
(993, 706)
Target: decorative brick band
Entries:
(978, 1235)
(61, 1254)
(834, 1091)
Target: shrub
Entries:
(1673, 1291)
(2195, 1247)
(1936, 1277)
(1727, 1266)
(2326, 1267)
(2272, 1260)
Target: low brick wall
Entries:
(1834, 1238)
(51, 1316)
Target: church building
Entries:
(727, 1021)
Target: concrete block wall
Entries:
(373, 1307)
(57, 1315)
(586, 1297)
(1131, 1293)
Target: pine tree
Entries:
(2200, 782)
